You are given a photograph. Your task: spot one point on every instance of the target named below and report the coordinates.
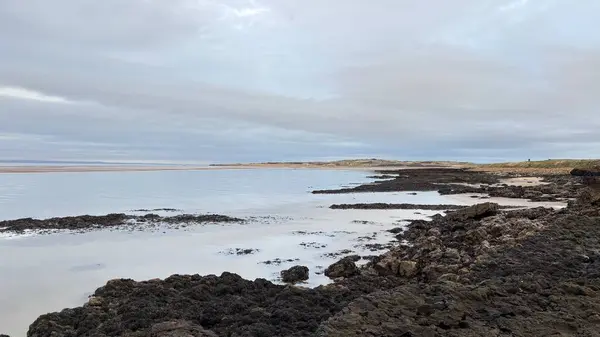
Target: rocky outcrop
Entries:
(429, 179)
(455, 181)
(227, 305)
(586, 172)
(447, 246)
(474, 212)
(546, 284)
(295, 274)
(91, 222)
(396, 206)
(345, 267)
(179, 328)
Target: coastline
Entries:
(94, 168)
(483, 263)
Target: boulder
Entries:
(179, 328)
(590, 172)
(295, 274)
(343, 268)
(407, 268)
(475, 212)
(393, 265)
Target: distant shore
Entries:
(544, 167)
(111, 168)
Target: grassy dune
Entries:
(550, 163)
(550, 166)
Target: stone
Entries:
(407, 268)
(95, 301)
(476, 212)
(295, 274)
(343, 268)
(179, 328)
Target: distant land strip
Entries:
(550, 166)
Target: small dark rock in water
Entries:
(157, 210)
(179, 328)
(321, 233)
(295, 274)
(343, 268)
(4, 336)
(313, 245)
(240, 251)
(278, 261)
(364, 222)
(338, 253)
(396, 230)
(376, 246)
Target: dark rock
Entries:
(587, 172)
(338, 253)
(295, 274)
(240, 251)
(345, 267)
(426, 179)
(396, 230)
(179, 329)
(396, 206)
(279, 261)
(313, 244)
(227, 305)
(90, 222)
(474, 212)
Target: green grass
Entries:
(550, 163)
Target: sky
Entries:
(264, 80)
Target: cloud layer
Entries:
(202, 80)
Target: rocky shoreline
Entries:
(85, 223)
(380, 206)
(460, 181)
(478, 271)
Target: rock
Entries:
(343, 268)
(476, 212)
(407, 268)
(4, 335)
(588, 196)
(240, 251)
(295, 274)
(92, 222)
(179, 328)
(591, 172)
(95, 301)
(393, 265)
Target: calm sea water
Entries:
(41, 274)
(61, 194)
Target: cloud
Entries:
(20, 93)
(256, 79)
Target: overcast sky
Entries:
(241, 80)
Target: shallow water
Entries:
(42, 274)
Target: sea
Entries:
(47, 273)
